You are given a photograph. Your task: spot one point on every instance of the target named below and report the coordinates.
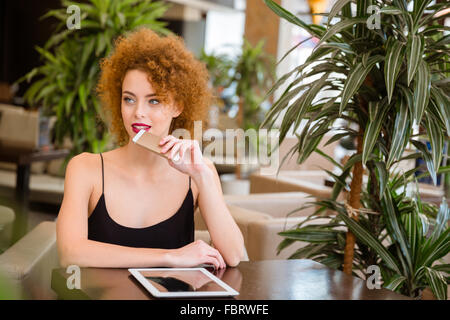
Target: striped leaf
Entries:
(441, 220)
(391, 10)
(395, 282)
(407, 94)
(442, 102)
(401, 132)
(433, 250)
(336, 8)
(372, 132)
(434, 132)
(342, 47)
(367, 238)
(414, 50)
(428, 159)
(342, 25)
(314, 236)
(383, 175)
(437, 283)
(283, 13)
(414, 233)
(395, 228)
(355, 80)
(419, 7)
(392, 64)
(284, 244)
(421, 90)
(307, 98)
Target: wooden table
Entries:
(257, 280)
(24, 158)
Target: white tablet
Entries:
(181, 282)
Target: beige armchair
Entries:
(7, 217)
(308, 181)
(261, 216)
(28, 264)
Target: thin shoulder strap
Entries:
(103, 179)
(189, 182)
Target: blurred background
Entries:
(49, 66)
(49, 70)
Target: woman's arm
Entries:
(75, 248)
(225, 234)
(72, 226)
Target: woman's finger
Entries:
(169, 144)
(195, 156)
(212, 260)
(183, 150)
(214, 252)
(174, 151)
(165, 139)
(222, 261)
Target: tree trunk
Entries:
(354, 201)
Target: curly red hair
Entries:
(172, 69)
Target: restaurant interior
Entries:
(338, 118)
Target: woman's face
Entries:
(142, 107)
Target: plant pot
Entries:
(427, 294)
(232, 185)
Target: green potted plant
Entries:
(253, 75)
(384, 80)
(219, 67)
(63, 85)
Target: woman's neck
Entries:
(140, 161)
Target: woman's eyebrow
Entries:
(149, 95)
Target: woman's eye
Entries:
(128, 100)
(154, 101)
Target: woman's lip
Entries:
(137, 130)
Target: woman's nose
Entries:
(140, 110)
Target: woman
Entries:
(130, 207)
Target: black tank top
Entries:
(174, 232)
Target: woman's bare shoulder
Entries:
(90, 163)
(84, 160)
(85, 166)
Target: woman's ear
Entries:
(176, 111)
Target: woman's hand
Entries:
(183, 155)
(194, 254)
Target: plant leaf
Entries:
(336, 8)
(372, 132)
(395, 282)
(421, 90)
(401, 132)
(392, 64)
(434, 132)
(342, 25)
(414, 50)
(428, 159)
(395, 228)
(355, 80)
(367, 238)
(436, 282)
